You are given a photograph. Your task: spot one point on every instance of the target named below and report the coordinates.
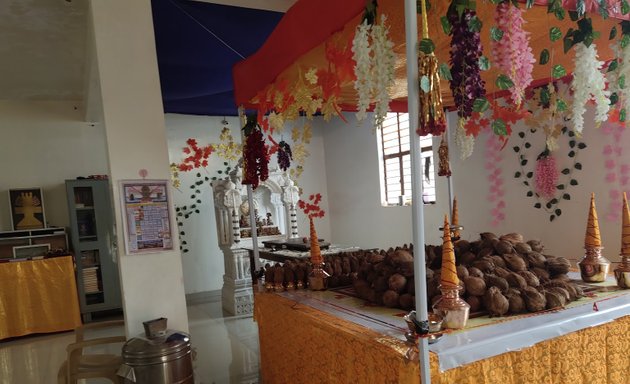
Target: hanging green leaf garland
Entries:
(551, 204)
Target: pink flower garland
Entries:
(617, 174)
(512, 53)
(495, 178)
(546, 175)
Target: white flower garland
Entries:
(361, 54)
(588, 84)
(465, 143)
(383, 70)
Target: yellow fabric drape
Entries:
(38, 296)
(300, 344)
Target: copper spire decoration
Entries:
(451, 308)
(593, 237)
(622, 272)
(449, 271)
(318, 278)
(593, 267)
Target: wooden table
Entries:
(38, 296)
(302, 344)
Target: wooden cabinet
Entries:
(92, 233)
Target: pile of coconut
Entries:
(498, 275)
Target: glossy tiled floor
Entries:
(227, 351)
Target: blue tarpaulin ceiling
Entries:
(197, 44)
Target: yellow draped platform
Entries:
(300, 344)
(38, 296)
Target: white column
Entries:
(290, 197)
(123, 40)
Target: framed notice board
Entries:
(146, 216)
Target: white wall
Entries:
(565, 235)
(43, 144)
(203, 264)
(358, 218)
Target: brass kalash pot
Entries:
(593, 267)
(622, 272)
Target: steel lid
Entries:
(173, 344)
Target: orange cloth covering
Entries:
(449, 271)
(300, 344)
(300, 40)
(625, 229)
(38, 296)
(592, 238)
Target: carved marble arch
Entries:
(232, 209)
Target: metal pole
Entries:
(449, 179)
(252, 226)
(411, 38)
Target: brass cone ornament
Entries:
(622, 272)
(449, 271)
(593, 236)
(450, 307)
(318, 278)
(593, 267)
(316, 252)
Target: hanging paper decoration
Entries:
(466, 50)
(511, 50)
(431, 120)
(464, 141)
(546, 174)
(383, 70)
(227, 148)
(374, 65)
(496, 191)
(616, 171)
(588, 84)
(284, 155)
(444, 167)
(255, 155)
(197, 156)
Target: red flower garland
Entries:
(198, 156)
(312, 209)
(255, 154)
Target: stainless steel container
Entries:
(161, 360)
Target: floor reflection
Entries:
(226, 351)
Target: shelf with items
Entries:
(32, 243)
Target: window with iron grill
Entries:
(393, 146)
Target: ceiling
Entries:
(42, 46)
(43, 49)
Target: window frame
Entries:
(400, 155)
